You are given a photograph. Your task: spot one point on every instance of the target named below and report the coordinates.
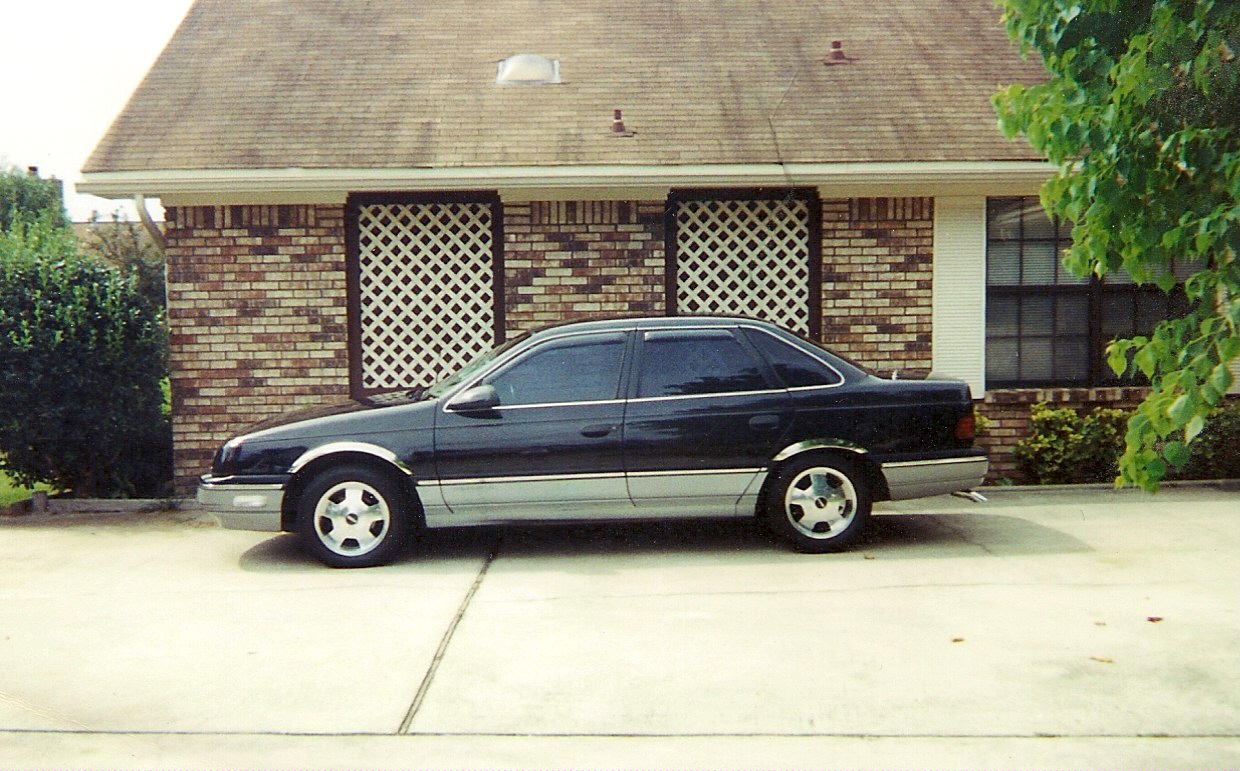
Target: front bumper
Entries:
(243, 506)
(938, 476)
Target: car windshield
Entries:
(471, 369)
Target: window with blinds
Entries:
(1045, 326)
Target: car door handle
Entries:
(764, 422)
(598, 431)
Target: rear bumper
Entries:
(938, 476)
(243, 506)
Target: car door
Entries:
(551, 448)
(703, 420)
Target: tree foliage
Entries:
(25, 197)
(1140, 115)
(81, 406)
(125, 245)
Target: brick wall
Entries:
(1007, 413)
(566, 260)
(877, 284)
(258, 319)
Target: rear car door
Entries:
(703, 420)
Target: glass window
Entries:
(691, 362)
(796, 368)
(577, 369)
(1044, 326)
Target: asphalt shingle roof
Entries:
(354, 84)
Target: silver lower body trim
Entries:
(922, 478)
(244, 507)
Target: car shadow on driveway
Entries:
(889, 536)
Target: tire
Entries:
(353, 517)
(818, 504)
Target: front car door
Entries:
(551, 448)
(703, 420)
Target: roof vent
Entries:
(837, 55)
(527, 69)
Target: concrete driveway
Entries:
(1047, 628)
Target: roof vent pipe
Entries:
(837, 55)
(617, 126)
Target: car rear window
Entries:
(796, 368)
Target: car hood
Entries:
(333, 409)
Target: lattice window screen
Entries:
(427, 290)
(744, 256)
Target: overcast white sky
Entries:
(68, 66)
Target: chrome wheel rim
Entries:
(820, 503)
(352, 519)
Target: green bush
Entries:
(1216, 450)
(82, 356)
(1066, 447)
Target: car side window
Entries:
(796, 368)
(694, 362)
(577, 369)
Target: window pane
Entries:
(794, 367)
(1003, 218)
(1072, 358)
(686, 363)
(1037, 224)
(1117, 314)
(1001, 364)
(1072, 315)
(1037, 315)
(1036, 359)
(1040, 263)
(1003, 264)
(1152, 307)
(575, 370)
(1002, 317)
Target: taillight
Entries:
(966, 427)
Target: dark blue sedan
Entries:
(606, 420)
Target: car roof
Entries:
(626, 323)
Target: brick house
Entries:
(361, 196)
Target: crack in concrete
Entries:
(431, 671)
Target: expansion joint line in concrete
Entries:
(425, 686)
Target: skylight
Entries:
(527, 69)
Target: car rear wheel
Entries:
(818, 504)
(353, 516)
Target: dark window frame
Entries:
(814, 205)
(1094, 292)
(352, 210)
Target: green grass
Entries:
(11, 493)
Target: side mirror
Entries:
(477, 399)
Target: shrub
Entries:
(83, 357)
(1216, 450)
(1065, 447)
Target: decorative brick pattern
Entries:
(258, 318)
(574, 259)
(1007, 413)
(877, 280)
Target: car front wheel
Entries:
(353, 516)
(818, 504)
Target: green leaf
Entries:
(1176, 454)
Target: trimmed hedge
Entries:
(1067, 447)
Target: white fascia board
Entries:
(334, 184)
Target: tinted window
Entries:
(795, 367)
(579, 369)
(697, 362)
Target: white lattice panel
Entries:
(427, 290)
(748, 257)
